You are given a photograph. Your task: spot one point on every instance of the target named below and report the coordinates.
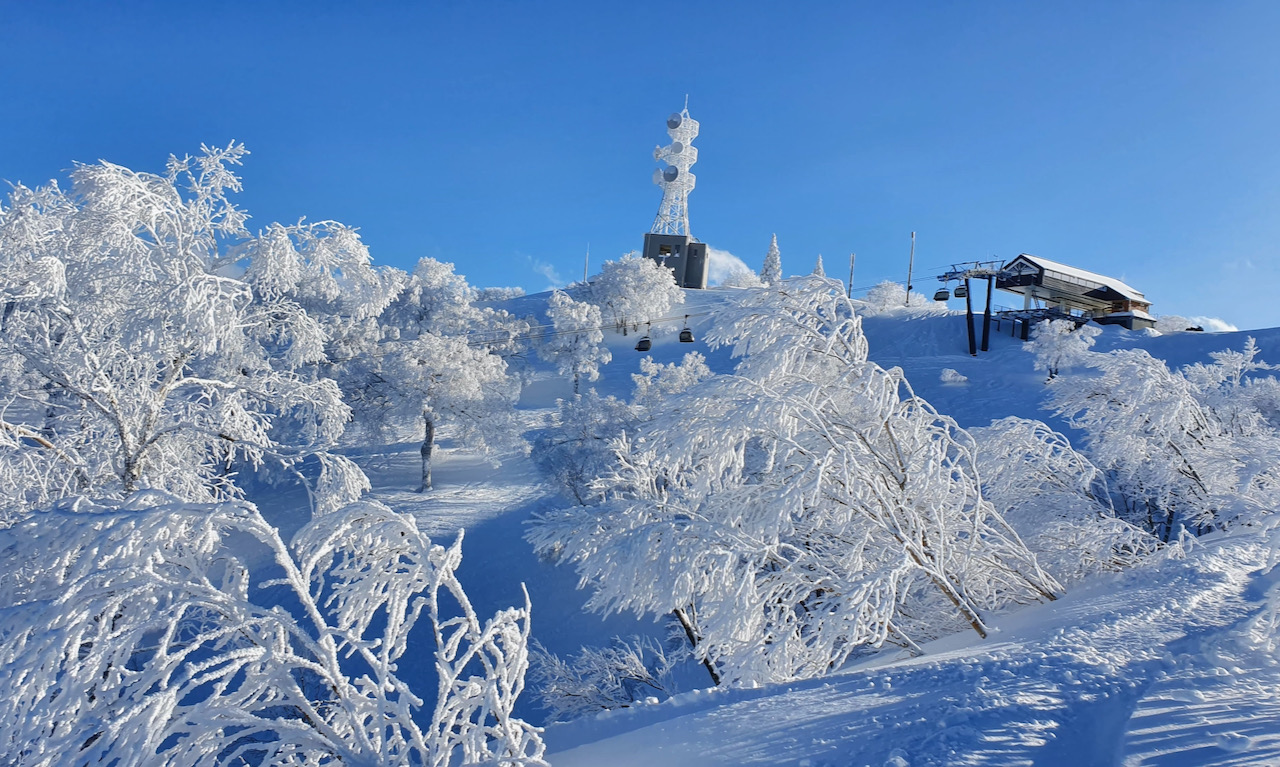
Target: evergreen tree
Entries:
(771, 273)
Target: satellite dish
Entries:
(671, 173)
(674, 121)
(676, 147)
(657, 177)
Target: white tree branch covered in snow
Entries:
(141, 642)
(806, 507)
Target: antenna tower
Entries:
(675, 179)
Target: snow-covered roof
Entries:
(1084, 275)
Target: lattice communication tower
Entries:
(675, 179)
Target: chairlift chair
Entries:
(942, 295)
(961, 291)
(686, 335)
(644, 344)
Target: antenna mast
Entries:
(675, 179)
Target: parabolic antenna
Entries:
(674, 120)
(671, 173)
(657, 177)
(676, 147)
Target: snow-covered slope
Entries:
(1145, 667)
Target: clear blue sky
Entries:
(1138, 139)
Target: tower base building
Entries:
(684, 256)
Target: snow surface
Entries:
(1147, 667)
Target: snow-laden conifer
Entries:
(771, 271)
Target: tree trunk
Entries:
(428, 443)
(687, 625)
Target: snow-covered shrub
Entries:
(799, 510)
(627, 672)
(143, 640)
(1056, 499)
(655, 382)
(891, 298)
(575, 341)
(950, 376)
(1188, 448)
(128, 357)
(633, 290)
(1060, 344)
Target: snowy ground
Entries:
(1148, 667)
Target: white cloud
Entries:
(722, 265)
(548, 271)
(1213, 324)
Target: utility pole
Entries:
(849, 292)
(911, 262)
(586, 263)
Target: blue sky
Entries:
(1138, 139)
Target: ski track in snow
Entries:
(1140, 668)
(1111, 674)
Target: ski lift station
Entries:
(1049, 285)
(669, 241)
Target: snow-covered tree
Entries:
(741, 277)
(890, 297)
(803, 508)
(579, 448)
(144, 641)
(575, 340)
(1056, 499)
(1060, 344)
(129, 358)
(818, 271)
(1182, 448)
(771, 272)
(436, 360)
(1172, 323)
(634, 290)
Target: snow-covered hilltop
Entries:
(751, 525)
